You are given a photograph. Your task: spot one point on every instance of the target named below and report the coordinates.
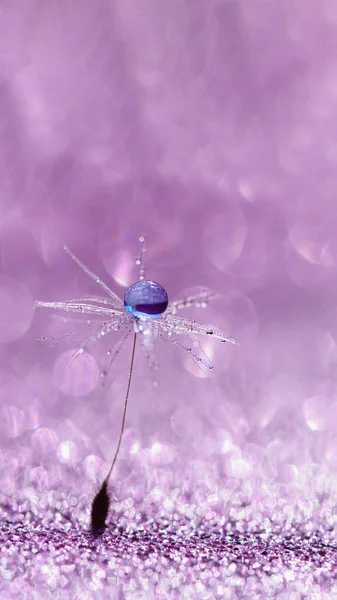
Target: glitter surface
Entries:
(209, 127)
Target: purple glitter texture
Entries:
(209, 126)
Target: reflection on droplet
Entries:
(11, 421)
(76, 375)
(44, 440)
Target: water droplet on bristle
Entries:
(146, 299)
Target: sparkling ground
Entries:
(47, 547)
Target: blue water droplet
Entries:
(146, 299)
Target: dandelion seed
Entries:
(147, 313)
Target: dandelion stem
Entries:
(125, 408)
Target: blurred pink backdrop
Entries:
(209, 126)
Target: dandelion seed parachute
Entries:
(148, 313)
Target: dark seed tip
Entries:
(99, 509)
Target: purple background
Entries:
(210, 126)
